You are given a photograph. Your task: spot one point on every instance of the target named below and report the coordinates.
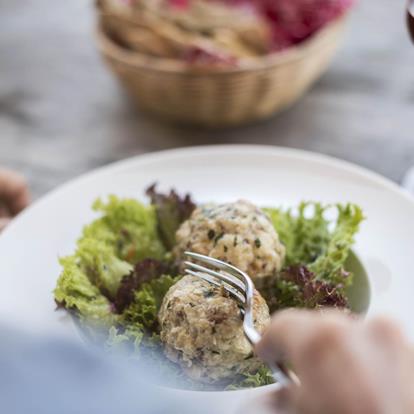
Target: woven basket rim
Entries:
(135, 59)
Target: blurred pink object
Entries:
(292, 21)
(180, 4)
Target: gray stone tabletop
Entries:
(62, 113)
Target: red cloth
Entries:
(292, 21)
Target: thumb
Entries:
(4, 221)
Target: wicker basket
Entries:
(221, 97)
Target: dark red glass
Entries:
(410, 18)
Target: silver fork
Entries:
(239, 285)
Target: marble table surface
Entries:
(62, 113)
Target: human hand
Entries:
(346, 366)
(14, 195)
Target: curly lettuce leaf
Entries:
(309, 242)
(104, 269)
(119, 339)
(91, 277)
(304, 232)
(263, 376)
(75, 292)
(147, 301)
(314, 275)
(116, 338)
(144, 271)
(171, 210)
(329, 266)
(298, 287)
(129, 227)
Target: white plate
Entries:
(29, 248)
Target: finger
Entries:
(4, 211)
(388, 341)
(4, 222)
(13, 191)
(385, 330)
(276, 338)
(293, 331)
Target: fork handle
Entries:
(280, 372)
(283, 375)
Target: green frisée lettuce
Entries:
(263, 376)
(75, 292)
(309, 242)
(122, 339)
(104, 269)
(144, 271)
(129, 227)
(329, 266)
(147, 301)
(304, 232)
(90, 279)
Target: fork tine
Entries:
(217, 263)
(204, 277)
(229, 289)
(233, 271)
(229, 278)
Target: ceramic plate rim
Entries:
(140, 159)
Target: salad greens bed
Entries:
(115, 281)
